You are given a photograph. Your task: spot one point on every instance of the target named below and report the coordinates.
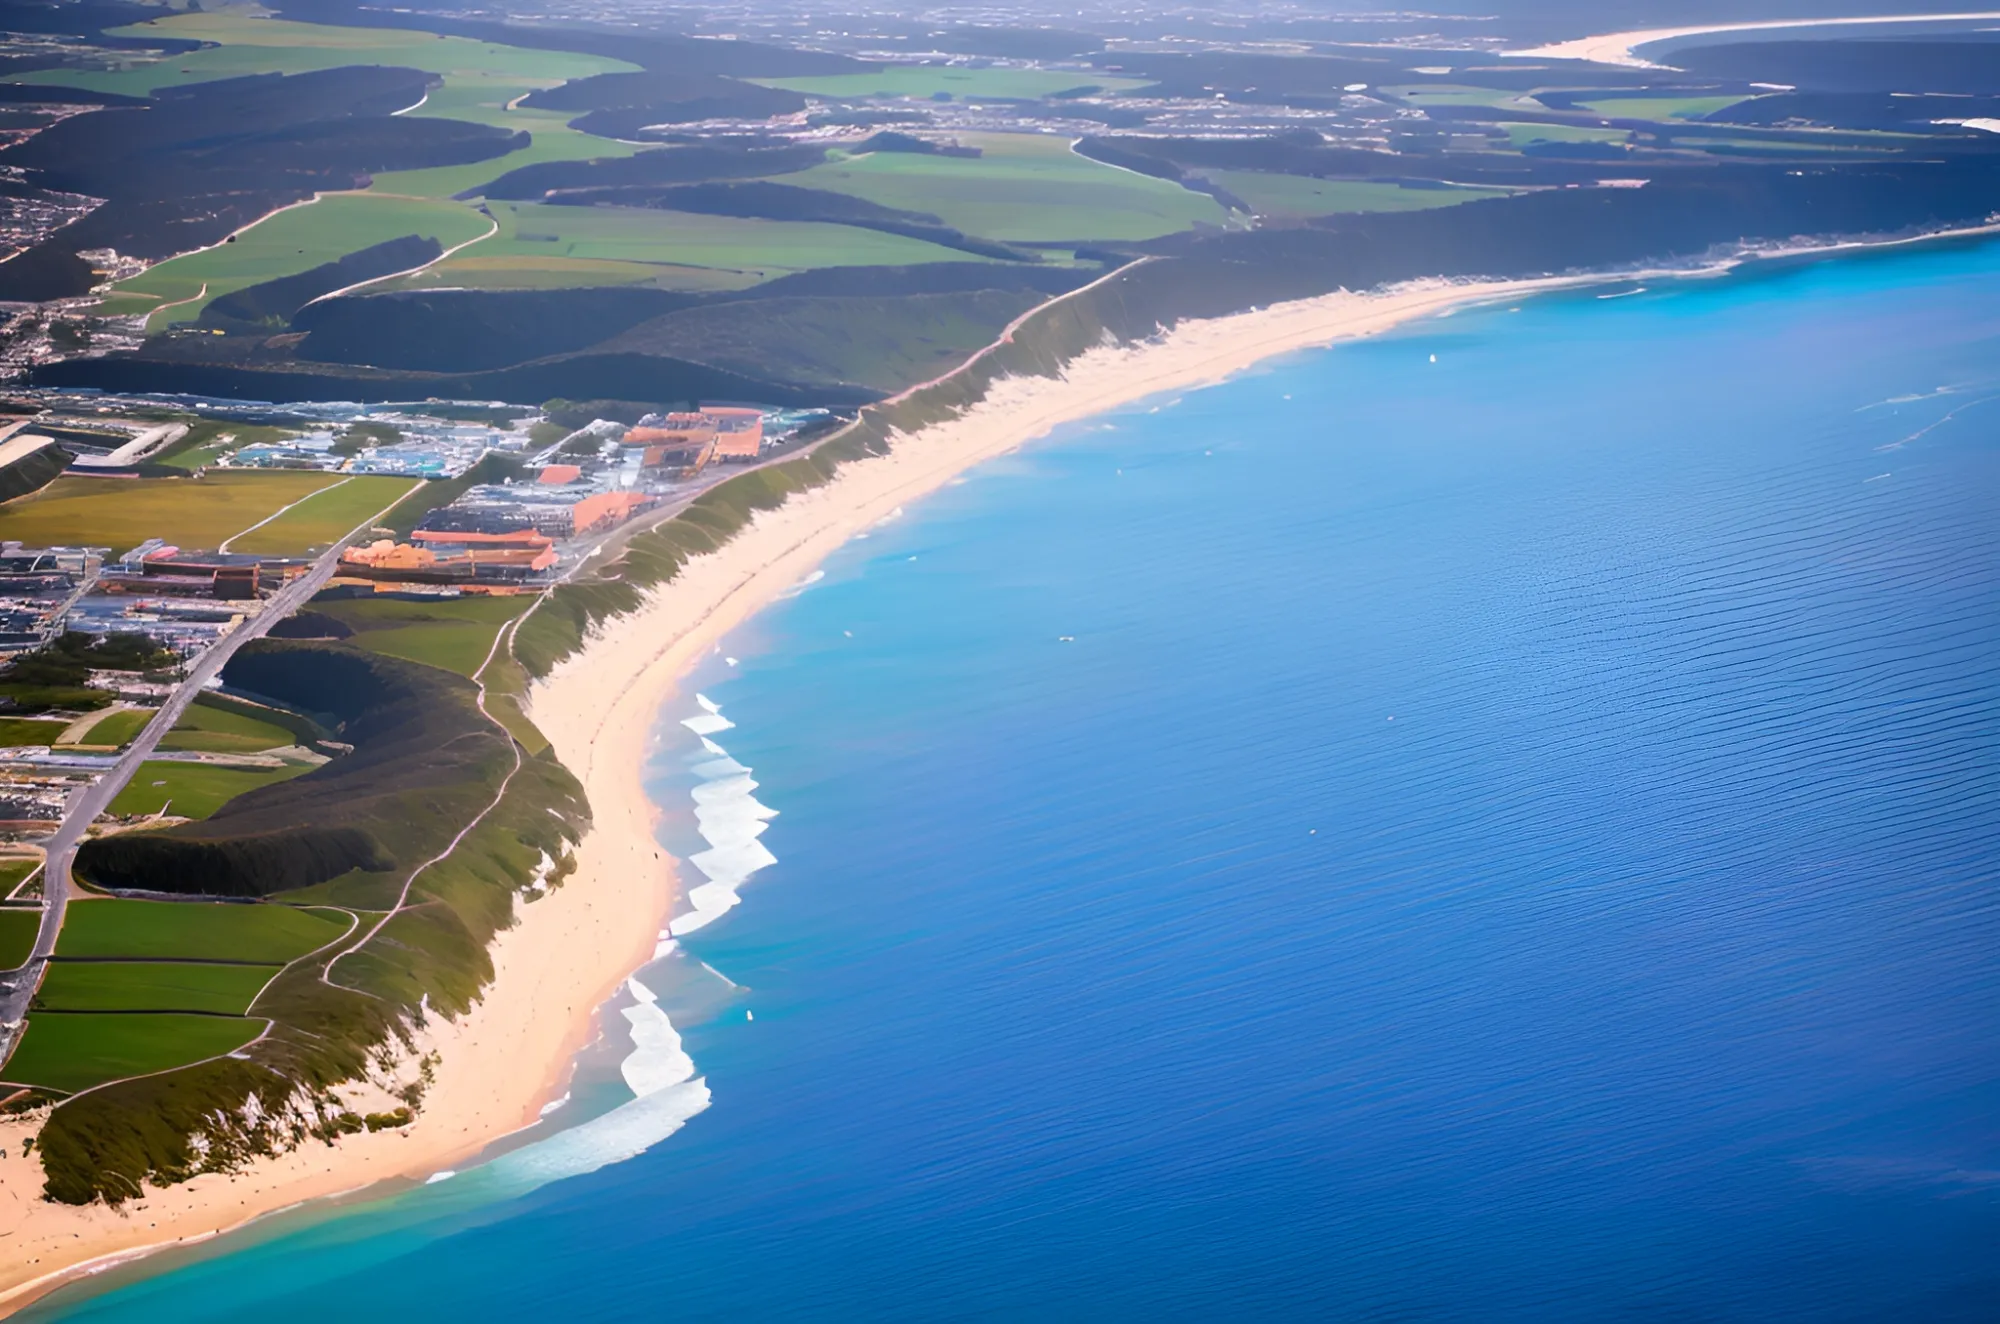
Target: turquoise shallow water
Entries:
(1506, 837)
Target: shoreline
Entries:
(570, 950)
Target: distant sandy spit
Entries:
(571, 949)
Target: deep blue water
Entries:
(1512, 837)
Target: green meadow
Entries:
(1659, 108)
(1521, 135)
(18, 731)
(195, 930)
(453, 633)
(212, 730)
(220, 989)
(18, 926)
(296, 239)
(70, 1051)
(121, 513)
(1029, 188)
(1297, 195)
(118, 729)
(536, 237)
(193, 790)
(246, 42)
(325, 517)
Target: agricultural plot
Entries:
(455, 634)
(1297, 195)
(1024, 187)
(1523, 135)
(70, 1051)
(534, 235)
(553, 140)
(222, 989)
(559, 273)
(1659, 108)
(325, 517)
(17, 935)
(245, 43)
(215, 731)
(193, 790)
(195, 931)
(292, 240)
(1442, 94)
(121, 513)
(117, 729)
(959, 83)
(18, 731)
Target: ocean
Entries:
(1495, 822)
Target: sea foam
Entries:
(730, 819)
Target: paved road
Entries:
(18, 987)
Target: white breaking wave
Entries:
(662, 1076)
(730, 819)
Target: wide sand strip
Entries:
(571, 949)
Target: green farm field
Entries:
(18, 731)
(1025, 187)
(455, 634)
(195, 930)
(121, 513)
(17, 935)
(214, 731)
(1297, 195)
(118, 729)
(292, 240)
(193, 790)
(554, 273)
(248, 43)
(220, 989)
(325, 517)
(1659, 108)
(928, 80)
(72, 1051)
(533, 233)
(1442, 94)
(1520, 135)
(552, 140)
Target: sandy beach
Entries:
(571, 949)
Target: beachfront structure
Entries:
(691, 441)
(739, 433)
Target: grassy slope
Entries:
(294, 240)
(193, 790)
(194, 931)
(1520, 135)
(17, 935)
(325, 518)
(246, 44)
(535, 238)
(453, 633)
(214, 731)
(1659, 108)
(1025, 187)
(71, 1052)
(121, 513)
(16, 731)
(224, 990)
(118, 729)
(1297, 195)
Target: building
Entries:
(739, 433)
(163, 571)
(607, 510)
